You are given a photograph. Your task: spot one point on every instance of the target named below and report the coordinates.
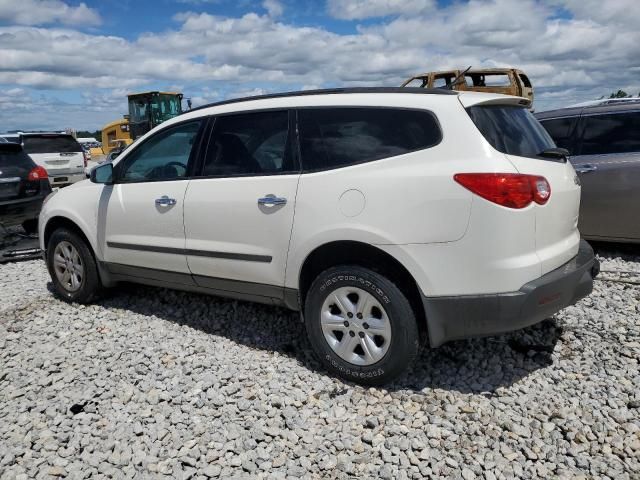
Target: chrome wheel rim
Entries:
(355, 325)
(68, 266)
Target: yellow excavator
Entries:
(146, 110)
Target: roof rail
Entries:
(606, 101)
(331, 91)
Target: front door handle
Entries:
(165, 201)
(585, 168)
(271, 200)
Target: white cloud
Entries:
(254, 92)
(569, 59)
(612, 12)
(273, 7)
(360, 9)
(41, 12)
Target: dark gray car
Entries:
(604, 142)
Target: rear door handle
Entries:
(585, 168)
(165, 201)
(271, 200)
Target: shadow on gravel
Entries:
(629, 252)
(469, 366)
(483, 365)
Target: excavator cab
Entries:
(148, 109)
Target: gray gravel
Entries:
(151, 383)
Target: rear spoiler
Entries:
(470, 99)
(10, 147)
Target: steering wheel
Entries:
(166, 171)
(177, 164)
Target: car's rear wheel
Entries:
(361, 325)
(72, 267)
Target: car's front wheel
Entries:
(361, 325)
(72, 267)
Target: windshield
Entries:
(160, 108)
(50, 144)
(164, 107)
(510, 129)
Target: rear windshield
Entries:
(13, 156)
(50, 144)
(510, 129)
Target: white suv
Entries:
(386, 216)
(59, 153)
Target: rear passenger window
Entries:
(561, 130)
(250, 144)
(615, 133)
(337, 137)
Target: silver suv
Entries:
(603, 139)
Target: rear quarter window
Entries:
(342, 136)
(50, 144)
(511, 129)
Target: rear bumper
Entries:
(451, 318)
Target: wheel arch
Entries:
(60, 221)
(64, 222)
(350, 252)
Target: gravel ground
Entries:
(151, 383)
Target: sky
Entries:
(70, 64)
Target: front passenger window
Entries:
(164, 156)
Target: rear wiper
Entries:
(556, 153)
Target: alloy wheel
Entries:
(68, 266)
(355, 325)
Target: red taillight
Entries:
(541, 190)
(37, 173)
(513, 190)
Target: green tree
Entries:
(619, 94)
(85, 133)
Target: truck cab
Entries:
(149, 109)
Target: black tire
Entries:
(30, 226)
(90, 286)
(405, 336)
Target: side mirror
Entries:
(102, 174)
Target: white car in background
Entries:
(386, 216)
(59, 153)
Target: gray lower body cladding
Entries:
(451, 318)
